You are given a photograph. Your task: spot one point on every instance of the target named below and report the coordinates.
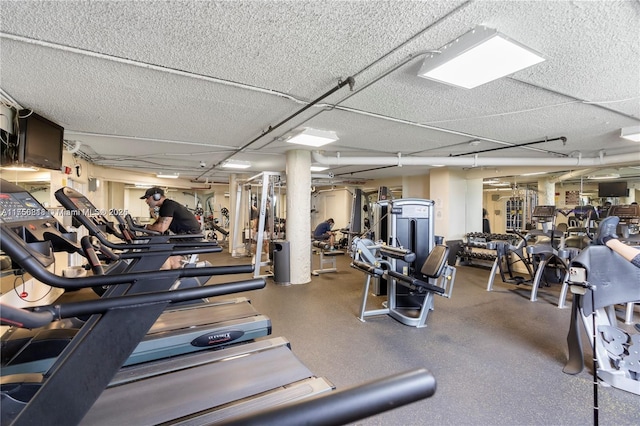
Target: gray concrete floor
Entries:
(496, 356)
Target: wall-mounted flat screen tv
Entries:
(40, 141)
(612, 189)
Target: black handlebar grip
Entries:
(90, 254)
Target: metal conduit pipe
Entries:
(238, 85)
(475, 161)
(572, 175)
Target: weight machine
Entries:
(413, 265)
(257, 189)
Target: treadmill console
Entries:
(22, 207)
(24, 219)
(84, 212)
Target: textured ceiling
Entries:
(160, 86)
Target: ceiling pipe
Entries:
(475, 161)
(139, 64)
(207, 78)
(350, 81)
(571, 175)
(521, 145)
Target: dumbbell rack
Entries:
(474, 251)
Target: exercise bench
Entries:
(328, 261)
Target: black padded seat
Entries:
(432, 268)
(436, 261)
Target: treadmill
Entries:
(178, 330)
(86, 383)
(341, 407)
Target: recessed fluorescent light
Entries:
(313, 137)
(478, 57)
(534, 174)
(20, 168)
(318, 168)
(604, 176)
(167, 176)
(236, 164)
(143, 185)
(495, 182)
(630, 133)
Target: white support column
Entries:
(547, 192)
(458, 203)
(298, 214)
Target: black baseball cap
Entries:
(151, 191)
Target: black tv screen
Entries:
(612, 189)
(40, 141)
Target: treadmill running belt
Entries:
(207, 314)
(180, 393)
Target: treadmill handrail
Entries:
(170, 238)
(347, 405)
(64, 199)
(20, 255)
(169, 250)
(42, 315)
(134, 227)
(203, 246)
(10, 315)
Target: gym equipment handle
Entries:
(414, 281)
(348, 405)
(17, 251)
(398, 253)
(370, 269)
(10, 315)
(75, 309)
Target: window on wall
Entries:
(78, 186)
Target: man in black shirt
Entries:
(172, 216)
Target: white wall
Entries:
(332, 203)
(454, 200)
(415, 186)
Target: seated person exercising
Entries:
(323, 232)
(606, 236)
(172, 216)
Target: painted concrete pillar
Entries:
(547, 192)
(298, 171)
(457, 202)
